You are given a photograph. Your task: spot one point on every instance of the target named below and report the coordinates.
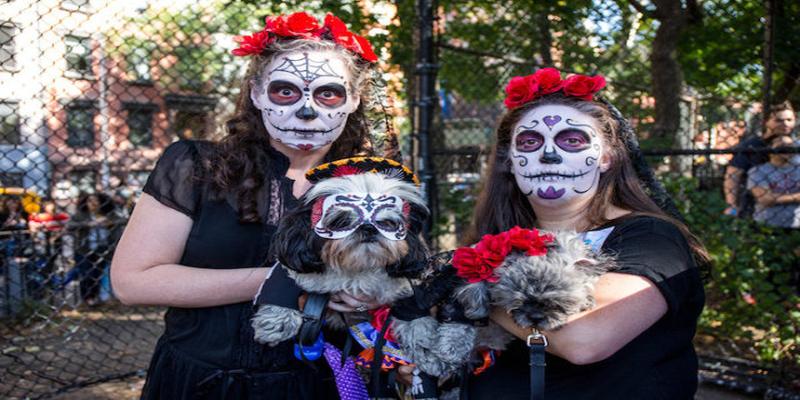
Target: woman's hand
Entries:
(343, 302)
(405, 373)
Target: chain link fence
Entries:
(748, 336)
(91, 92)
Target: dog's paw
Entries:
(275, 324)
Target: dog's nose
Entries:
(367, 232)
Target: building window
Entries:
(7, 33)
(9, 122)
(139, 64)
(80, 124)
(140, 124)
(85, 180)
(79, 55)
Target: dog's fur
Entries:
(363, 263)
(538, 291)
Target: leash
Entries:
(537, 343)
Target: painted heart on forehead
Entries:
(555, 153)
(305, 98)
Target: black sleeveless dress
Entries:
(210, 352)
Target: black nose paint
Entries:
(550, 157)
(306, 113)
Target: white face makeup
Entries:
(305, 98)
(556, 155)
(338, 216)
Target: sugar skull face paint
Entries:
(338, 216)
(305, 98)
(556, 154)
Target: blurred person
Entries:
(49, 220)
(14, 217)
(781, 122)
(93, 229)
(775, 186)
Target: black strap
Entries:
(537, 364)
(312, 318)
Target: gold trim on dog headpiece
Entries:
(361, 165)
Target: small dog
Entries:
(358, 231)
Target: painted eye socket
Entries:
(529, 141)
(388, 225)
(330, 95)
(343, 217)
(283, 93)
(572, 140)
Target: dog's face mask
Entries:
(339, 216)
(557, 155)
(305, 98)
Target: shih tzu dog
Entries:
(539, 279)
(357, 231)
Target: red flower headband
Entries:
(524, 89)
(476, 264)
(300, 25)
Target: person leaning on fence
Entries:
(781, 122)
(775, 186)
(198, 238)
(560, 162)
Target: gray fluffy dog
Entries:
(537, 291)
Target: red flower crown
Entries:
(300, 25)
(476, 264)
(524, 89)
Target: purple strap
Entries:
(348, 381)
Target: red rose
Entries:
(521, 239)
(349, 40)
(252, 44)
(277, 25)
(303, 25)
(549, 80)
(494, 249)
(584, 87)
(539, 245)
(520, 90)
(366, 49)
(470, 265)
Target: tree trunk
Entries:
(546, 40)
(665, 70)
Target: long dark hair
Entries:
(502, 205)
(240, 162)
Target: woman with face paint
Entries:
(198, 239)
(560, 163)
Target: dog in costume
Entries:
(358, 231)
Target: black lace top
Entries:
(210, 351)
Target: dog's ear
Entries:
(295, 244)
(417, 217)
(414, 262)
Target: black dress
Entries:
(660, 363)
(210, 352)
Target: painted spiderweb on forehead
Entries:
(306, 69)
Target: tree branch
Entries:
(641, 9)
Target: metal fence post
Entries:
(426, 103)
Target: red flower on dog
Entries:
(584, 87)
(476, 264)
